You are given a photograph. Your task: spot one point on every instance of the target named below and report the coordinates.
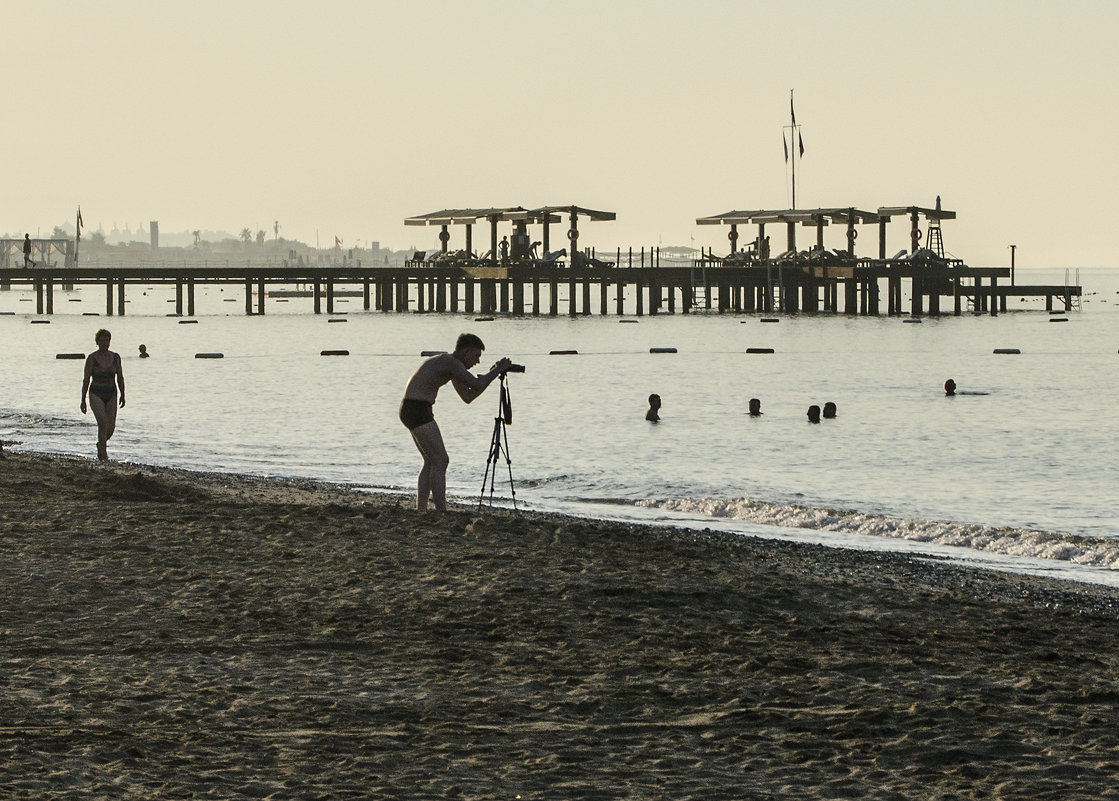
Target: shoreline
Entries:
(175, 633)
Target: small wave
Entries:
(1019, 542)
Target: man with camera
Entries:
(416, 409)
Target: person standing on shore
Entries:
(103, 374)
(27, 250)
(417, 415)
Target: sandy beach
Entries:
(174, 635)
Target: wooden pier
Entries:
(514, 278)
(536, 289)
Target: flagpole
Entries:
(77, 234)
(793, 136)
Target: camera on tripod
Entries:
(499, 442)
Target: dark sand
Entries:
(168, 635)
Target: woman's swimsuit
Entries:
(103, 382)
(414, 413)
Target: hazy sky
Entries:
(343, 117)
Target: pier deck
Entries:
(519, 289)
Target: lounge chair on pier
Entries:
(579, 261)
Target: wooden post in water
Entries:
(317, 292)
(249, 296)
(50, 294)
(329, 296)
(179, 296)
(190, 296)
(260, 296)
(621, 287)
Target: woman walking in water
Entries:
(103, 374)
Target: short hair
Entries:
(469, 341)
(653, 397)
(99, 334)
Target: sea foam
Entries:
(1020, 542)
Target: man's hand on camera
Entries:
(502, 365)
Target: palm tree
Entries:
(246, 236)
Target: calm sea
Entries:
(1021, 477)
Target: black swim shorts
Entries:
(414, 413)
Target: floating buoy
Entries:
(1058, 319)
(281, 300)
(74, 300)
(628, 321)
(432, 352)
(188, 322)
(770, 320)
(563, 353)
(87, 314)
(229, 300)
(337, 320)
(40, 322)
(7, 312)
(69, 355)
(1007, 350)
(759, 350)
(334, 353)
(483, 319)
(173, 314)
(209, 355)
(912, 320)
(662, 350)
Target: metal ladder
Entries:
(1072, 301)
(933, 240)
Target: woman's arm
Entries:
(120, 377)
(88, 374)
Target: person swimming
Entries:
(755, 407)
(653, 415)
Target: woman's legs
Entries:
(105, 412)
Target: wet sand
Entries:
(174, 635)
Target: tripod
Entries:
(499, 447)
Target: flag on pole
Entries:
(80, 222)
(792, 113)
(800, 143)
(337, 242)
(785, 142)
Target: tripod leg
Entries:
(491, 462)
(509, 464)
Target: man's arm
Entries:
(470, 386)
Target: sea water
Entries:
(1020, 476)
